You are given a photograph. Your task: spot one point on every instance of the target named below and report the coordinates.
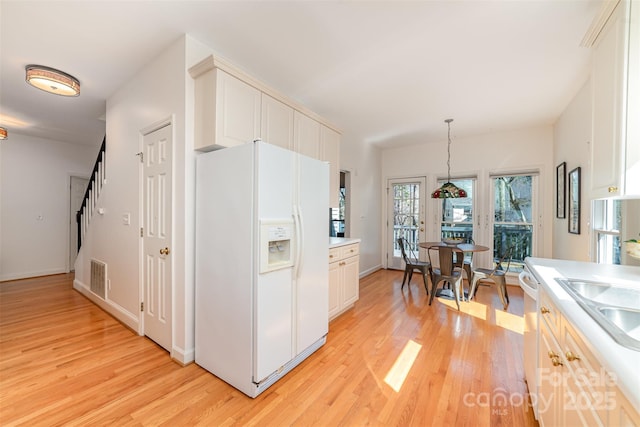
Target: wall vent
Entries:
(98, 278)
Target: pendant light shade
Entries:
(52, 80)
(3, 133)
(448, 190)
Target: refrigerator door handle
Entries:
(299, 236)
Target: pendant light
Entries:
(3, 133)
(448, 190)
(52, 80)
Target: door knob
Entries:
(164, 251)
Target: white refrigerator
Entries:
(261, 262)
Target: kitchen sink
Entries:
(616, 309)
(626, 319)
(604, 293)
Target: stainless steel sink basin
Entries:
(616, 309)
(626, 319)
(605, 293)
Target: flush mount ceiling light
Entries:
(448, 189)
(3, 133)
(52, 80)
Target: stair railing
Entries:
(97, 180)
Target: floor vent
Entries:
(98, 278)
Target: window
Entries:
(457, 214)
(513, 211)
(607, 220)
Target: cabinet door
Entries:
(549, 378)
(330, 147)
(351, 280)
(607, 75)
(623, 413)
(237, 111)
(277, 123)
(334, 289)
(306, 135)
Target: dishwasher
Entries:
(529, 285)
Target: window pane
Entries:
(512, 201)
(513, 218)
(608, 251)
(406, 215)
(457, 214)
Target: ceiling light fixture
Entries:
(3, 133)
(52, 80)
(448, 189)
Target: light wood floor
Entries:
(63, 361)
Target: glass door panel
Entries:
(405, 218)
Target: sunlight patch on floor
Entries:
(471, 308)
(510, 321)
(398, 372)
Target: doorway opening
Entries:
(77, 188)
(339, 224)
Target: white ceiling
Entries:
(388, 72)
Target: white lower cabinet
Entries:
(574, 389)
(344, 278)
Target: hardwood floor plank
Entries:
(391, 360)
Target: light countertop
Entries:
(615, 358)
(335, 242)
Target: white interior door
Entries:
(157, 231)
(77, 187)
(405, 217)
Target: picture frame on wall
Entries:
(574, 201)
(561, 187)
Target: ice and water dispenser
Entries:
(276, 244)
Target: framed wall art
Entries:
(574, 201)
(561, 195)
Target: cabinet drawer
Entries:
(549, 312)
(334, 254)
(349, 250)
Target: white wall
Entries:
(156, 93)
(572, 136)
(364, 163)
(34, 203)
(526, 149)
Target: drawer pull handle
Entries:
(544, 310)
(571, 357)
(555, 361)
(330, 256)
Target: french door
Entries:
(405, 217)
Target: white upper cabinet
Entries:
(227, 110)
(615, 156)
(330, 152)
(277, 122)
(306, 135)
(233, 108)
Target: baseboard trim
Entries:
(370, 271)
(117, 311)
(32, 274)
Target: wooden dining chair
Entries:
(449, 271)
(497, 275)
(412, 264)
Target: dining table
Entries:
(464, 247)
